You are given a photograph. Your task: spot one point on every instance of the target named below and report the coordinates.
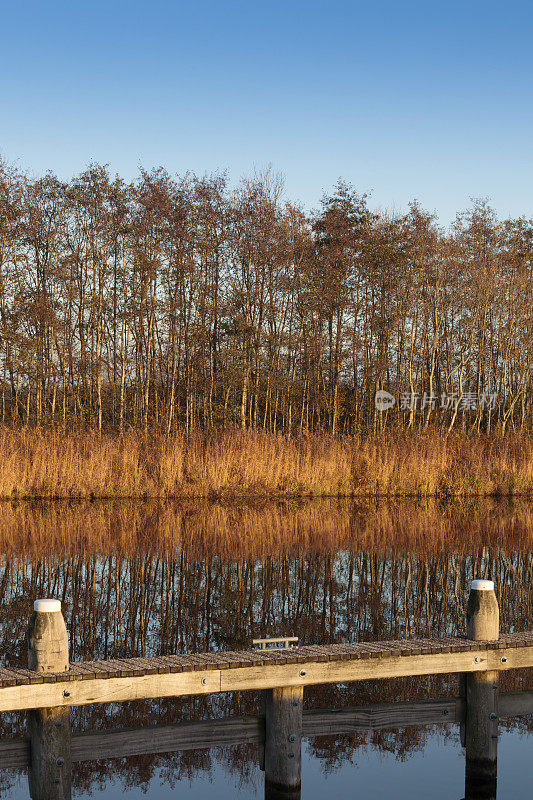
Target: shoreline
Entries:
(233, 497)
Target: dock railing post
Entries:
(283, 742)
(50, 760)
(481, 724)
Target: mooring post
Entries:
(262, 713)
(481, 724)
(283, 742)
(50, 762)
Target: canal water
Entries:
(141, 579)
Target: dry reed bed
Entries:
(236, 464)
(229, 531)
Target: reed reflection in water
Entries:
(151, 578)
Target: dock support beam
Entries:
(283, 742)
(481, 725)
(50, 762)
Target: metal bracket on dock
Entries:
(278, 643)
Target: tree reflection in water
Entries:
(155, 578)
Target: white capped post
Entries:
(482, 612)
(481, 724)
(50, 772)
(47, 637)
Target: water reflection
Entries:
(150, 579)
(429, 769)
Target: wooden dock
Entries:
(50, 686)
(208, 673)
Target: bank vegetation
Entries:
(229, 464)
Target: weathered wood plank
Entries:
(108, 690)
(167, 738)
(515, 704)
(14, 753)
(380, 716)
(390, 666)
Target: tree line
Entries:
(187, 303)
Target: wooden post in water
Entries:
(50, 761)
(283, 742)
(481, 725)
(262, 713)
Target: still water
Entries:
(150, 579)
(435, 770)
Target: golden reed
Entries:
(53, 464)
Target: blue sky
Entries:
(407, 99)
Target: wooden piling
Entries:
(481, 724)
(283, 742)
(262, 712)
(50, 737)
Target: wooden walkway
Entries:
(51, 685)
(206, 673)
